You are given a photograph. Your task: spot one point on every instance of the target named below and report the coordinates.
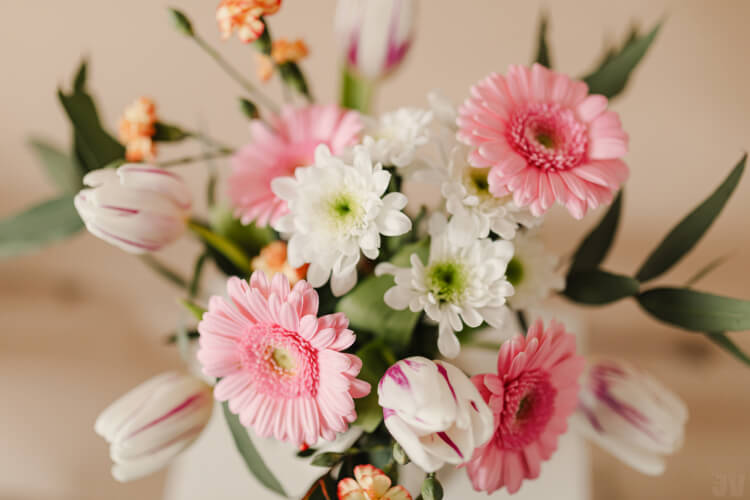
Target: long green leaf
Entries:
(39, 226)
(94, 147)
(689, 231)
(696, 311)
(224, 247)
(594, 248)
(251, 456)
(726, 343)
(60, 168)
(366, 310)
(542, 49)
(598, 287)
(611, 77)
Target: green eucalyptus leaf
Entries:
(598, 287)
(726, 343)
(542, 50)
(376, 358)
(683, 237)
(39, 226)
(164, 132)
(366, 310)
(594, 248)
(611, 77)
(252, 458)
(94, 147)
(696, 311)
(60, 167)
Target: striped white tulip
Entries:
(150, 425)
(374, 35)
(630, 414)
(138, 207)
(434, 412)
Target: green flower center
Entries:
(446, 281)
(514, 273)
(343, 209)
(478, 180)
(546, 140)
(282, 360)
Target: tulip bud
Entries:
(434, 412)
(374, 35)
(139, 208)
(630, 414)
(150, 425)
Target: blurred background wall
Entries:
(82, 322)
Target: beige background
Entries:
(82, 322)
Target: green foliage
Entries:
(689, 231)
(613, 73)
(376, 358)
(193, 308)
(726, 343)
(250, 455)
(599, 287)
(366, 310)
(39, 226)
(696, 311)
(164, 132)
(327, 459)
(431, 488)
(594, 248)
(181, 22)
(94, 147)
(542, 51)
(249, 109)
(62, 170)
(228, 255)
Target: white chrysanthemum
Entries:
(396, 136)
(336, 210)
(533, 272)
(475, 210)
(461, 283)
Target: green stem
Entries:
(164, 271)
(195, 282)
(356, 92)
(220, 153)
(236, 76)
(523, 322)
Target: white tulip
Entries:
(434, 412)
(630, 414)
(150, 425)
(139, 208)
(374, 35)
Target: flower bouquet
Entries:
(342, 304)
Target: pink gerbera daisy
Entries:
(545, 139)
(277, 150)
(532, 395)
(279, 364)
